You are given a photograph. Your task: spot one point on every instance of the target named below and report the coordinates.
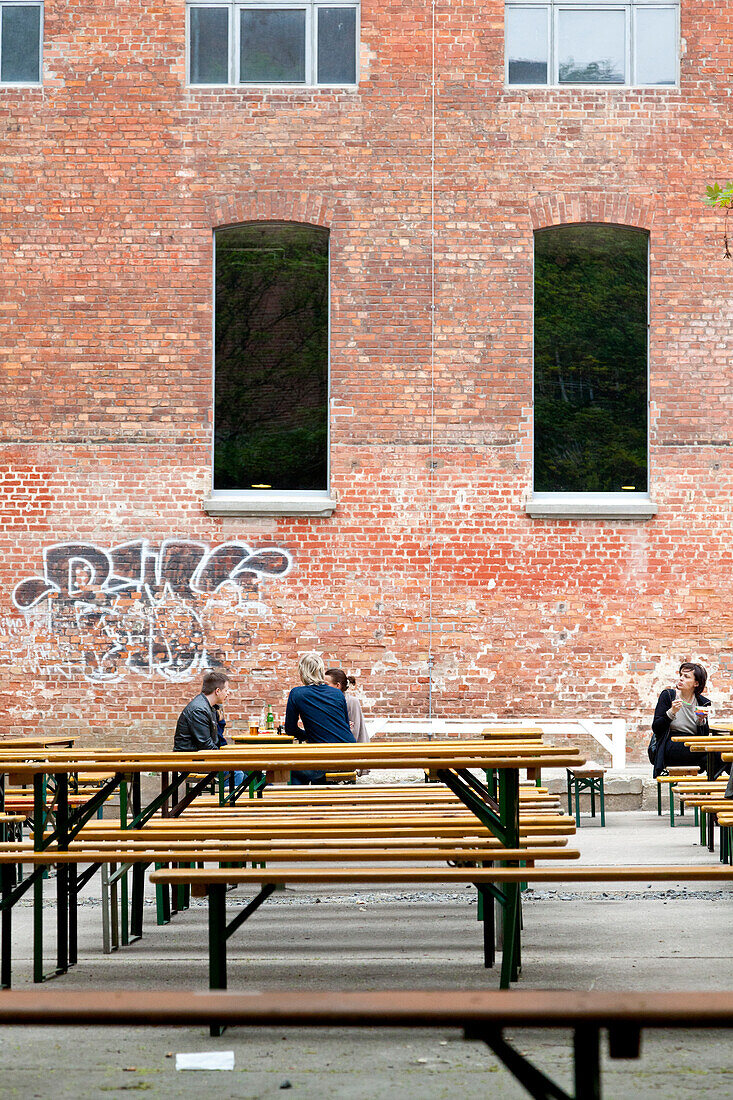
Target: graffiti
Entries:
(136, 608)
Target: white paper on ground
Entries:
(207, 1059)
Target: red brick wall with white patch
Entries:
(113, 176)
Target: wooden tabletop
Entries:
(491, 1009)
(261, 738)
(393, 755)
(36, 742)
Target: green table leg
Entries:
(217, 942)
(586, 1044)
(39, 822)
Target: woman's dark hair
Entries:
(340, 678)
(701, 676)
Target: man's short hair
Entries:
(312, 669)
(213, 681)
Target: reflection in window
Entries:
(272, 45)
(590, 359)
(526, 45)
(591, 47)
(271, 357)
(299, 42)
(601, 42)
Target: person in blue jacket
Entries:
(321, 710)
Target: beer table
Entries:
(37, 742)
(716, 742)
(266, 738)
(496, 809)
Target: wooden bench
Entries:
(673, 775)
(706, 798)
(482, 1016)
(130, 848)
(486, 879)
(481, 812)
(589, 777)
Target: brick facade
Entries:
(114, 175)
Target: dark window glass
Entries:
(21, 42)
(209, 38)
(590, 351)
(337, 46)
(272, 46)
(527, 45)
(271, 401)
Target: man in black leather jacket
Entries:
(196, 728)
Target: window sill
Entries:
(591, 87)
(621, 506)
(263, 86)
(269, 504)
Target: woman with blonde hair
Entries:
(320, 708)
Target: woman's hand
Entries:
(676, 705)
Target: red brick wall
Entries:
(113, 177)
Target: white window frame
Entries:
(24, 4)
(629, 7)
(312, 11)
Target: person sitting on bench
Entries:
(197, 728)
(680, 711)
(338, 679)
(321, 709)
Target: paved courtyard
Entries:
(594, 937)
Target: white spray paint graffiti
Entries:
(140, 609)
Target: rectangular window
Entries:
(602, 43)
(590, 359)
(271, 359)
(307, 42)
(20, 43)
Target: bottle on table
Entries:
(270, 720)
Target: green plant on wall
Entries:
(722, 199)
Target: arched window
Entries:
(271, 358)
(590, 359)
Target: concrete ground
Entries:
(592, 937)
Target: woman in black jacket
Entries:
(677, 714)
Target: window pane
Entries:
(271, 393)
(590, 359)
(526, 45)
(272, 46)
(656, 46)
(592, 47)
(337, 46)
(209, 32)
(21, 36)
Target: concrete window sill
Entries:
(269, 504)
(619, 506)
